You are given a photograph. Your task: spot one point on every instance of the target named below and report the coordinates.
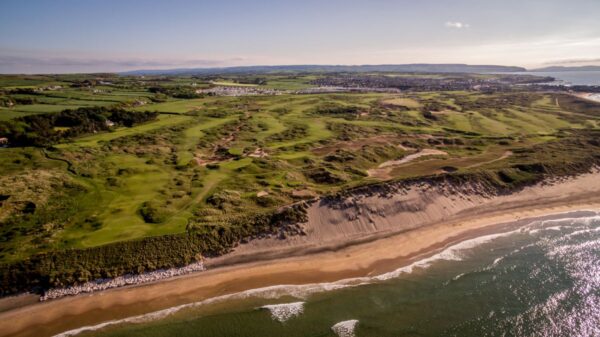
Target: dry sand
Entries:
(384, 169)
(366, 234)
(595, 97)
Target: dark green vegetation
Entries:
(199, 174)
(51, 128)
(62, 268)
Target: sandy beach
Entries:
(378, 234)
(589, 96)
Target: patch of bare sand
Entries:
(375, 214)
(204, 162)
(402, 101)
(258, 153)
(384, 169)
(304, 194)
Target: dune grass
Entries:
(274, 144)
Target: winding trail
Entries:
(69, 164)
(505, 155)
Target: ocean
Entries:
(571, 77)
(542, 279)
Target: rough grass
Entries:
(96, 140)
(300, 150)
(402, 101)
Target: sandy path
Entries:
(411, 157)
(505, 155)
(338, 258)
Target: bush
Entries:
(152, 213)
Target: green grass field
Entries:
(206, 160)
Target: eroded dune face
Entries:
(375, 211)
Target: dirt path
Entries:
(505, 155)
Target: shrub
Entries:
(152, 213)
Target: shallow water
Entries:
(541, 280)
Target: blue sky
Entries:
(89, 35)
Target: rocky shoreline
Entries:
(130, 279)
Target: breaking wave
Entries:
(283, 312)
(345, 328)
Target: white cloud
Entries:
(457, 25)
(40, 61)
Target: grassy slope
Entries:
(182, 188)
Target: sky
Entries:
(66, 36)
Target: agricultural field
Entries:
(207, 160)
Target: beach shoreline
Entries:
(374, 254)
(594, 97)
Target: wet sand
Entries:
(347, 257)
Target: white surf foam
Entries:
(562, 223)
(451, 253)
(285, 311)
(588, 220)
(496, 261)
(345, 328)
(554, 228)
(582, 231)
(455, 278)
(272, 292)
(298, 291)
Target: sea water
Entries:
(542, 279)
(570, 77)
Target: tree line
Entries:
(51, 128)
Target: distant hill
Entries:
(408, 68)
(561, 68)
